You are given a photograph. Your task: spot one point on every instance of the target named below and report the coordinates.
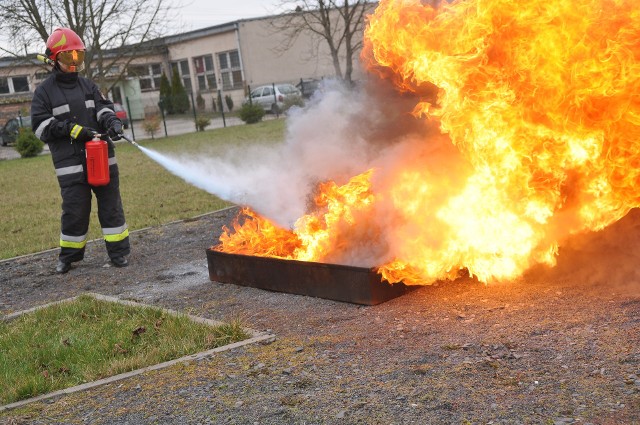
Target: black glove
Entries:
(81, 134)
(115, 130)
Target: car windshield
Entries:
(311, 85)
(287, 89)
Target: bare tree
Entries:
(338, 23)
(109, 28)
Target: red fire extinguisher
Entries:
(97, 161)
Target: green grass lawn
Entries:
(84, 340)
(30, 196)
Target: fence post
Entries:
(133, 133)
(250, 99)
(193, 107)
(275, 98)
(224, 122)
(164, 121)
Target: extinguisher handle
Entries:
(105, 137)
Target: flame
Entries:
(540, 101)
(325, 235)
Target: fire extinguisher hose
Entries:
(129, 140)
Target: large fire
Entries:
(541, 102)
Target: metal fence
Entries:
(216, 107)
(157, 123)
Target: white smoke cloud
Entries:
(334, 137)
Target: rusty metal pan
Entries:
(336, 282)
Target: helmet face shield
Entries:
(72, 59)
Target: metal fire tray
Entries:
(336, 282)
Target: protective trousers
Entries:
(76, 211)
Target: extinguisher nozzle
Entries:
(129, 140)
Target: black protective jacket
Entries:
(60, 101)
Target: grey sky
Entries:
(203, 13)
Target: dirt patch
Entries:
(556, 346)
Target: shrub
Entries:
(251, 113)
(202, 122)
(165, 94)
(229, 102)
(179, 96)
(151, 125)
(27, 144)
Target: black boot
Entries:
(120, 261)
(62, 267)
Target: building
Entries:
(222, 60)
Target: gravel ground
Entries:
(556, 346)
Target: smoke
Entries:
(340, 133)
(607, 258)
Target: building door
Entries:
(116, 95)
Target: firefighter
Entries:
(67, 110)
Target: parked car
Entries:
(270, 101)
(308, 87)
(9, 132)
(122, 114)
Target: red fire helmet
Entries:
(62, 40)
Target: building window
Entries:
(230, 70)
(10, 85)
(4, 86)
(182, 68)
(205, 74)
(20, 84)
(149, 75)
